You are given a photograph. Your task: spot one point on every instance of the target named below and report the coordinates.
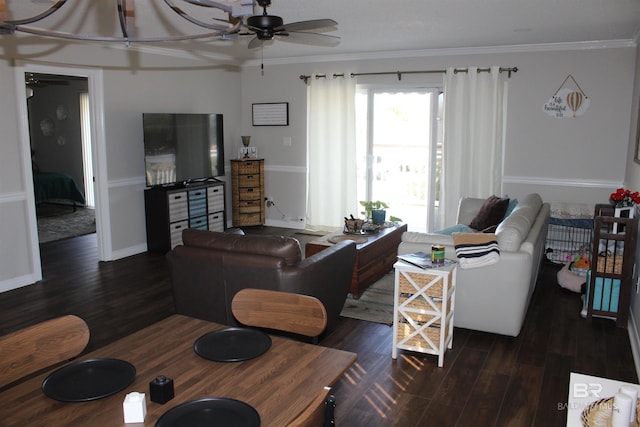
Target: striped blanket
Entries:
(476, 249)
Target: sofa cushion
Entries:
(514, 229)
(491, 213)
(286, 248)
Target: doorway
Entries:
(399, 151)
(94, 79)
(61, 155)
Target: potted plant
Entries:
(375, 211)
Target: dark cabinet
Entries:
(169, 210)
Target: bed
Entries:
(49, 186)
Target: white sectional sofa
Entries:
(495, 298)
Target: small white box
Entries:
(135, 407)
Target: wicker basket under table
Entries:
(423, 309)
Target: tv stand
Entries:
(171, 209)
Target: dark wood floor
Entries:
(487, 380)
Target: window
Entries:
(399, 151)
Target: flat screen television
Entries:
(182, 148)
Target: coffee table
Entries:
(374, 257)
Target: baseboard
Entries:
(17, 282)
(127, 252)
(297, 225)
(634, 340)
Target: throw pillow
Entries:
(458, 228)
(512, 205)
(491, 213)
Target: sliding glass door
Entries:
(399, 152)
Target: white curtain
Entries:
(331, 152)
(474, 118)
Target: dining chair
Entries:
(281, 311)
(320, 413)
(40, 346)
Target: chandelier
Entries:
(175, 20)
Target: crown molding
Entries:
(422, 53)
(175, 52)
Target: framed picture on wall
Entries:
(270, 114)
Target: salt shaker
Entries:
(632, 392)
(621, 413)
(135, 407)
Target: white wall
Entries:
(632, 181)
(578, 159)
(155, 84)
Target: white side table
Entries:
(423, 309)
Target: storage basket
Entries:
(249, 167)
(433, 333)
(421, 280)
(610, 264)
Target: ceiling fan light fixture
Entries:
(265, 21)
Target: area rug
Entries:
(375, 304)
(56, 222)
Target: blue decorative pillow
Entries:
(458, 228)
(510, 207)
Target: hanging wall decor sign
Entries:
(568, 101)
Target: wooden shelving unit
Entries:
(610, 281)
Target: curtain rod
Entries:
(508, 70)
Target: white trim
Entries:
(286, 169)
(127, 252)
(524, 48)
(95, 85)
(128, 182)
(560, 182)
(12, 197)
(18, 282)
(27, 175)
(200, 56)
(634, 340)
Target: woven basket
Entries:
(421, 279)
(405, 329)
(610, 264)
(249, 167)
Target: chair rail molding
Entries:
(561, 182)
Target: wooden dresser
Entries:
(247, 192)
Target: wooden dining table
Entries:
(279, 384)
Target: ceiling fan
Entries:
(34, 80)
(267, 27)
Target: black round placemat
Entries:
(232, 344)
(210, 412)
(89, 379)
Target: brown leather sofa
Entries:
(209, 268)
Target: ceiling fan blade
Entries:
(311, 38)
(314, 24)
(255, 42)
(3, 10)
